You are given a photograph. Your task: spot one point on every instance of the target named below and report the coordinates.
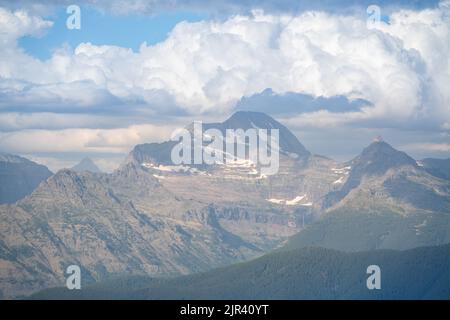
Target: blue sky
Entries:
(103, 28)
(130, 30)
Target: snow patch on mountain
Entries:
(174, 169)
(293, 202)
(344, 170)
(339, 181)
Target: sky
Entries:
(331, 71)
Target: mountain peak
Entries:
(11, 158)
(242, 120)
(251, 119)
(161, 152)
(380, 156)
(86, 164)
(378, 139)
(258, 120)
(249, 116)
(381, 146)
(375, 160)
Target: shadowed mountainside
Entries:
(19, 177)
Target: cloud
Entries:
(19, 23)
(206, 66)
(112, 141)
(60, 97)
(297, 103)
(434, 147)
(322, 59)
(106, 163)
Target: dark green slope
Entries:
(350, 229)
(308, 273)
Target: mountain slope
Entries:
(387, 202)
(110, 224)
(375, 160)
(19, 177)
(309, 273)
(437, 167)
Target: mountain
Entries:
(147, 218)
(386, 202)
(284, 202)
(437, 167)
(86, 164)
(112, 224)
(160, 153)
(375, 160)
(245, 120)
(308, 273)
(155, 218)
(19, 177)
(300, 183)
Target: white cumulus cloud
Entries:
(402, 68)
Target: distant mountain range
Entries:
(19, 177)
(151, 217)
(437, 167)
(308, 273)
(155, 218)
(86, 165)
